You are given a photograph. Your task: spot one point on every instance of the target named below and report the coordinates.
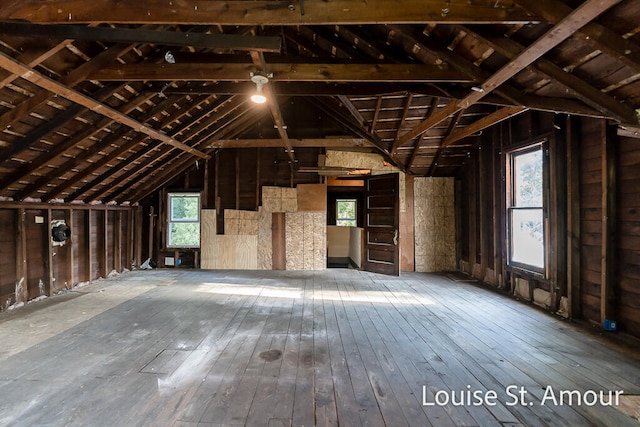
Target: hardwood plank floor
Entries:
(327, 348)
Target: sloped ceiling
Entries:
(94, 95)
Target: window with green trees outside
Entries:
(183, 229)
(346, 212)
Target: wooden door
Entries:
(382, 221)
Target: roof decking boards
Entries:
(418, 80)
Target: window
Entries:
(346, 212)
(183, 229)
(526, 210)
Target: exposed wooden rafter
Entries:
(53, 86)
(282, 72)
(272, 12)
(129, 35)
(556, 35)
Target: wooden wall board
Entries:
(265, 240)
(207, 238)
(294, 229)
(312, 197)
(319, 240)
(278, 242)
(407, 240)
(435, 234)
(240, 222)
(8, 256)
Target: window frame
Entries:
(355, 212)
(511, 206)
(170, 220)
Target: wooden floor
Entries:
(338, 347)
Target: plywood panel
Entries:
(207, 238)
(265, 240)
(246, 248)
(312, 198)
(434, 216)
(294, 228)
(272, 199)
(307, 243)
(319, 240)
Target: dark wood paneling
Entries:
(97, 243)
(37, 234)
(61, 258)
(8, 227)
(79, 244)
(628, 235)
(591, 216)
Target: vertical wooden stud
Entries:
(138, 235)
(573, 218)
(48, 244)
(71, 259)
(607, 293)
(21, 293)
(237, 179)
(89, 259)
(105, 245)
(117, 242)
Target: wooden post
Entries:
(48, 244)
(237, 179)
(482, 217)
(117, 242)
(607, 282)
(88, 230)
(22, 292)
(71, 259)
(559, 206)
(496, 186)
(105, 243)
(151, 221)
(204, 203)
(473, 214)
(573, 218)
(258, 178)
(138, 235)
(130, 239)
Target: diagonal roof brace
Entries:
(73, 95)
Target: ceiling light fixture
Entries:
(260, 80)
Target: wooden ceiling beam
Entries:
(403, 119)
(282, 72)
(129, 35)
(270, 94)
(33, 57)
(268, 13)
(450, 129)
(594, 34)
(179, 164)
(57, 149)
(414, 154)
(483, 123)
(56, 87)
(341, 142)
(556, 35)
(303, 89)
(84, 155)
(179, 130)
(588, 94)
(79, 74)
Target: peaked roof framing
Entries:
(108, 101)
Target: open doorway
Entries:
(345, 221)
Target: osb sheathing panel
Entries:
(294, 235)
(319, 240)
(237, 222)
(305, 240)
(279, 199)
(312, 197)
(272, 199)
(435, 233)
(372, 161)
(265, 255)
(207, 238)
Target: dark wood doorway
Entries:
(382, 224)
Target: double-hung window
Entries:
(526, 208)
(183, 230)
(346, 212)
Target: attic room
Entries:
(288, 213)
